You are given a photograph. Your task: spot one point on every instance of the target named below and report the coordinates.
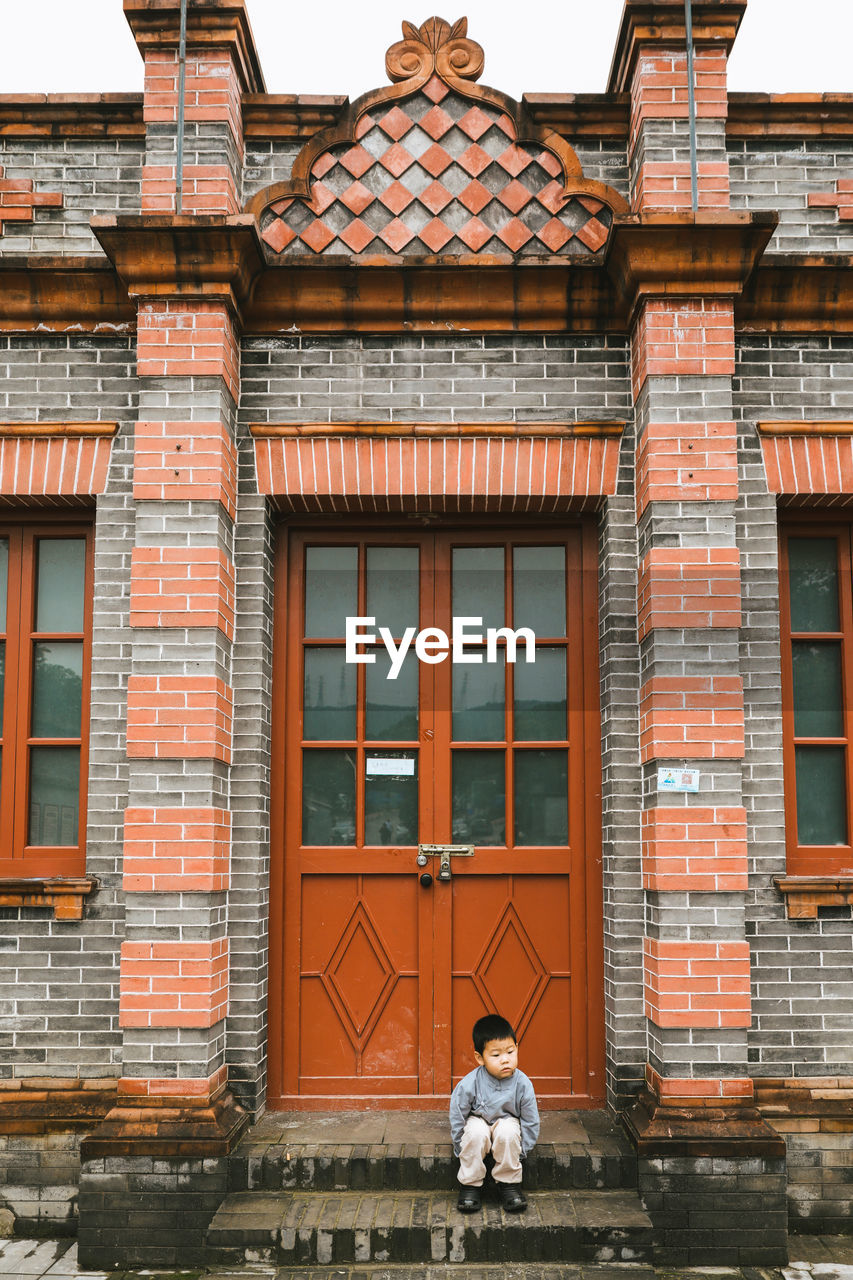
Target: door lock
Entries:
(444, 852)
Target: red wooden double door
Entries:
(380, 964)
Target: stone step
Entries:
(420, 1167)
(580, 1150)
(319, 1228)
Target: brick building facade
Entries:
(441, 322)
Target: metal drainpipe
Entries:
(691, 107)
(182, 80)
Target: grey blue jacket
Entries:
(479, 1094)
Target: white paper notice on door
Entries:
(381, 765)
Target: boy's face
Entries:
(499, 1057)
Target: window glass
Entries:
(541, 797)
(54, 795)
(60, 597)
(813, 581)
(390, 797)
(328, 797)
(539, 590)
(478, 584)
(331, 590)
(540, 696)
(479, 699)
(391, 709)
(57, 689)
(479, 804)
(329, 692)
(821, 795)
(392, 587)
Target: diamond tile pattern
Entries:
(434, 174)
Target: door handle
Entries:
(426, 879)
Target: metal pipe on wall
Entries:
(691, 107)
(182, 80)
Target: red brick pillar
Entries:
(694, 846)
(177, 829)
(221, 65)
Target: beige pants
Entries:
(503, 1139)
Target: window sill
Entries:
(63, 895)
(804, 894)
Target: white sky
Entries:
(338, 46)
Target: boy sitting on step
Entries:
(494, 1109)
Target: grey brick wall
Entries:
(457, 379)
(265, 161)
(620, 799)
(780, 176)
(792, 377)
(59, 979)
(94, 175)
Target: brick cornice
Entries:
(786, 293)
(661, 23)
(798, 293)
(204, 258)
(211, 24)
(686, 255)
(80, 294)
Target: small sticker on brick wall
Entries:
(678, 780)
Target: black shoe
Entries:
(469, 1200)
(512, 1197)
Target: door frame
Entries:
(591, 896)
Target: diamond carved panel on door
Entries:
(379, 966)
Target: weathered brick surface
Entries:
(719, 1211)
(428, 379)
(784, 377)
(783, 177)
(94, 177)
(147, 1213)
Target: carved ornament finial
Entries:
(435, 46)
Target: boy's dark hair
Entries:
(491, 1027)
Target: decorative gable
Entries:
(436, 164)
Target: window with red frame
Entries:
(817, 685)
(45, 671)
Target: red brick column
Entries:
(221, 65)
(177, 829)
(696, 981)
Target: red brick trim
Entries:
(692, 717)
(697, 984)
(187, 339)
(207, 1087)
(19, 199)
(689, 587)
(54, 459)
(354, 471)
(687, 462)
(180, 850)
(692, 849)
(185, 461)
(678, 1088)
(841, 199)
(173, 984)
(809, 459)
(685, 338)
(182, 587)
(176, 717)
(667, 185)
